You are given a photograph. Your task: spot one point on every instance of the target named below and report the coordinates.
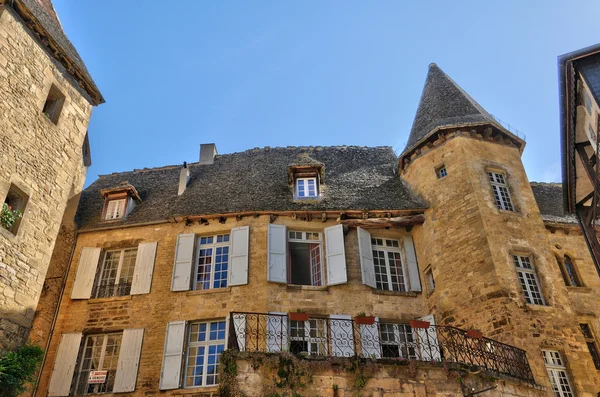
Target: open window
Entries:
(13, 209)
(54, 104)
(305, 259)
(119, 201)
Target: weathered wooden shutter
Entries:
(429, 346)
(413, 267)
(86, 273)
(342, 335)
(64, 364)
(184, 259)
(277, 332)
(144, 267)
(369, 337)
(336, 255)
(170, 376)
(129, 360)
(365, 251)
(277, 272)
(238, 274)
(239, 327)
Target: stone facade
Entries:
(43, 160)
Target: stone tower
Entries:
(46, 101)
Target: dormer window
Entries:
(115, 209)
(119, 201)
(307, 187)
(306, 180)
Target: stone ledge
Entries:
(208, 291)
(294, 287)
(411, 294)
(111, 299)
(585, 290)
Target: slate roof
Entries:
(49, 21)
(443, 104)
(549, 197)
(356, 178)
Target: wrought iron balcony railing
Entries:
(316, 336)
(108, 290)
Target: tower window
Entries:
(54, 104)
(567, 269)
(557, 372)
(13, 209)
(500, 189)
(441, 172)
(591, 344)
(528, 279)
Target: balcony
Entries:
(320, 336)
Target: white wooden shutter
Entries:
(371, 343)
(277, 332)
(239, 327)
(184, 259)
(277, 272)
(413, 268)
(64, 364)
(365, 250)
(86, 273)
(171, 366)
(129, 360)
(342, 335)
(427, 338)
(144, 267)
(238, 273)
(336, 255)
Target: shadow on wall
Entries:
(13, 331)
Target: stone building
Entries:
(46, 100)
(330, 271)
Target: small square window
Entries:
(307, 188)
(441, 172)
(430, 281)
(54, 104)
(13, 209)
(115, 209)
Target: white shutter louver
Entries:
(427, 338)
(129, 360)
(277, 272)
(277, 332)
(184, 259)
(413, 268)
(369, 337)
(86, 273)
(336, 255)
(342, 335)
(64, 364)
(171, 366)
(238, 274)
(366, 258)
(144, 267)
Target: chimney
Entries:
(184, 178)
(208, 151)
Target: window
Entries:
(567, 269)
(86, 152)
(528, 279)
(115, 209)
(441, 171)
(500, 189)
(430, 281)
(397, 341)
(54, 104)
(557, 372)
(100, 353)
(307, 187)
(591, 344)
(389, 268)
(587, 101)
(308, 336)
(206, 341)
(305, 264)
(212, 262)
(15, 201)
(115, 274)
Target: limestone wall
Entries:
(42, 159)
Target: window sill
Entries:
(541, 308)
(294, 287)
(209, 390)
(507, 212)
(411, 294)
(579, 289)
(7, 233)
(111, 299)
(208, 291)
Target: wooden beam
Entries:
(585, 159)
(385, 222)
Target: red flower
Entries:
(9, 207)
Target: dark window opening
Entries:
(54, 104)
(86, 152)
(15, 203)
(305, 266)
(441, 172)
(568, 272)
(591, 344)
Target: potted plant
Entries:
(474, 333)
(8, 216)
(419, 324)
(298, 315)
(362, 318)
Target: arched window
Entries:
(567, 269)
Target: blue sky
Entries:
(247, 74)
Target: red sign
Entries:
(97, 377)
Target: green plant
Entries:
(334, 387)
(17, 368)
(361, 314)
(8, 216)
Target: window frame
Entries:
(321, 338)
(429, 281)
(522, 271)
(23, 198)
(555, 365)
(399, 330)
(498, 181)
(53, 105)
(81, 359)
(117, 289)
(206, 344)
(387, 249)
(569, 272)
(305, 240)
(441, 171)
(107, 212)
(214, 246)
(590, 340)
(305, 186)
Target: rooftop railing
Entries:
(342, 337)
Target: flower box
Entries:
(419, 324)
(364, 320)
(298, 316)
(473, 333)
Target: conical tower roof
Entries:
(444, 104)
